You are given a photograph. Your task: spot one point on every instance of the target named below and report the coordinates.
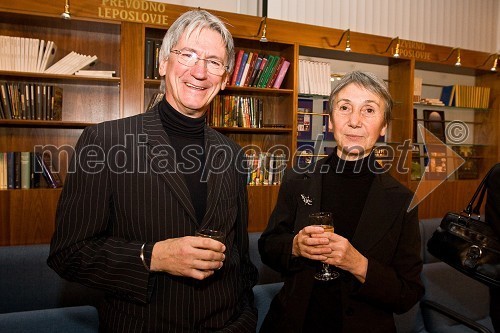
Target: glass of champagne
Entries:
(324, 220)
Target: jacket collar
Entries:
(161, 157)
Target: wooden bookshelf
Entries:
(119, 45)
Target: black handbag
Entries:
(468, 244)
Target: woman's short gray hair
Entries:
(370, 82)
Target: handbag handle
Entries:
(481, 190)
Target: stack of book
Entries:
(22, 170)
(314, 77)
(252, 69)
(26, 54)
(265, 168)
(30, 101)
(71, 63)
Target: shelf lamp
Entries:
(396, 51)
(458, 63)
(495, 62)
(346, 33)
(263, 24)
(66, 14)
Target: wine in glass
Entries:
(324, 220)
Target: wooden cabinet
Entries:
(117, 36)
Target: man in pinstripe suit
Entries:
(143, 185)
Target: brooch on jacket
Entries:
(307, 201)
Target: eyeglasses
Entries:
(190, 58)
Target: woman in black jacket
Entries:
(376, 244)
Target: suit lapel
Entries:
(376, 219)
(308, 195)
(218, 156)
(161, 157)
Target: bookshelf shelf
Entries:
(269, 130)
(57, 78)
(444, 107)
(43, 123)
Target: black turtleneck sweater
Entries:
(344, 191)
(185, 132)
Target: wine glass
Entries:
(211, 233)
(324, 220)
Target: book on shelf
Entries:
(22, 54)
(17, 170)
(44, 166)
(470, 168)
(237, 62)
(417, 89)
(246, 66)
(235, 111)
(304, 119)
(156, 59)
(71, 63)
(148, 58)
(466, 96)
(314, 77)
(259, 72)
(241, 68)
(264, 168)
(30, 101)
(95, 73)
(273, 75)
(435, 123)
(281, 75)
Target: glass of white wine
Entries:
(324, 220)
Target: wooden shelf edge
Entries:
(59, 77)
(274, 130)
(43, 123)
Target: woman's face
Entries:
(357, 121)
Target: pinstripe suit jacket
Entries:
(124, 192)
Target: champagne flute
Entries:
(324, 220)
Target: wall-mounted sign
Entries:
(133, 11)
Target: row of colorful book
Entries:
(314, 77)
(265, 168)
(235, 111)
(30, 101)
(466, 96)
(253, 69)
(25, 170)
(21, 54)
